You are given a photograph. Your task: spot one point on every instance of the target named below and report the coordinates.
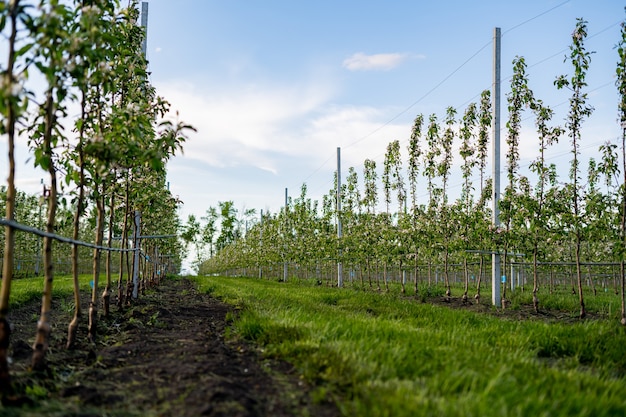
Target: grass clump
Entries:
(381, 354)
(25, 290)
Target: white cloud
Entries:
(288, 131)
(362, 62)
(261, 126)
(357, 130)
(246, 125)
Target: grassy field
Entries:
(380, 354)
(24, 290)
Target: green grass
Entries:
(25, 290)
(380, 354)
(604, 303)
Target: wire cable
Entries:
(457, 69)
(535, 17)
(439, 84)
(18, 226)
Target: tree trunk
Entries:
(623, 282)
(504, 300)
(403, 273)
(623, 226)
(377, 276)
(466, 276)
(106, 294)
(93, 304)
(123, 255)
(361, 274)
(479, 279)
(40, 346)
(535, 279)
(73, 326)
(416, 272)
(9, 233)
(445, 274)
(583, 312)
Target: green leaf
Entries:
(24, 49)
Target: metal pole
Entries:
(495, 257)
(261, 245)
(144, 25)
(512, 277)
(136, 249)
(286, 223)
(339, 231)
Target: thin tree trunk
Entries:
(106, 294)
(73, 326)
(583, 313)
(466, 276)
(479, 279)
(623, 228)
(144, 268)
(93, 304)
(416, 272)
(386, 277)
(130, 287)
(42, 338)
(9, 233)
(377, 276)
(361, 274)
(446, 275)
(403, 274)
(623, 282)
(535, 279)
(504, 300)
(123, 255)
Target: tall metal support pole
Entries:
(136, 253)
(286, 231)
(495, 257)
(339, 231)
(261, 245)
(144, 25)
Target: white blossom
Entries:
(104, 67)
(90, 9)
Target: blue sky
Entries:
(275, 86)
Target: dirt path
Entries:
(165, 356)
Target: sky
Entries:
(274, 87)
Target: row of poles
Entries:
(495, 256)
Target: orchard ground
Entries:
(180, 351)
(167, 355)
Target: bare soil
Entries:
(166, 355)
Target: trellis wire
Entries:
(18, 226)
